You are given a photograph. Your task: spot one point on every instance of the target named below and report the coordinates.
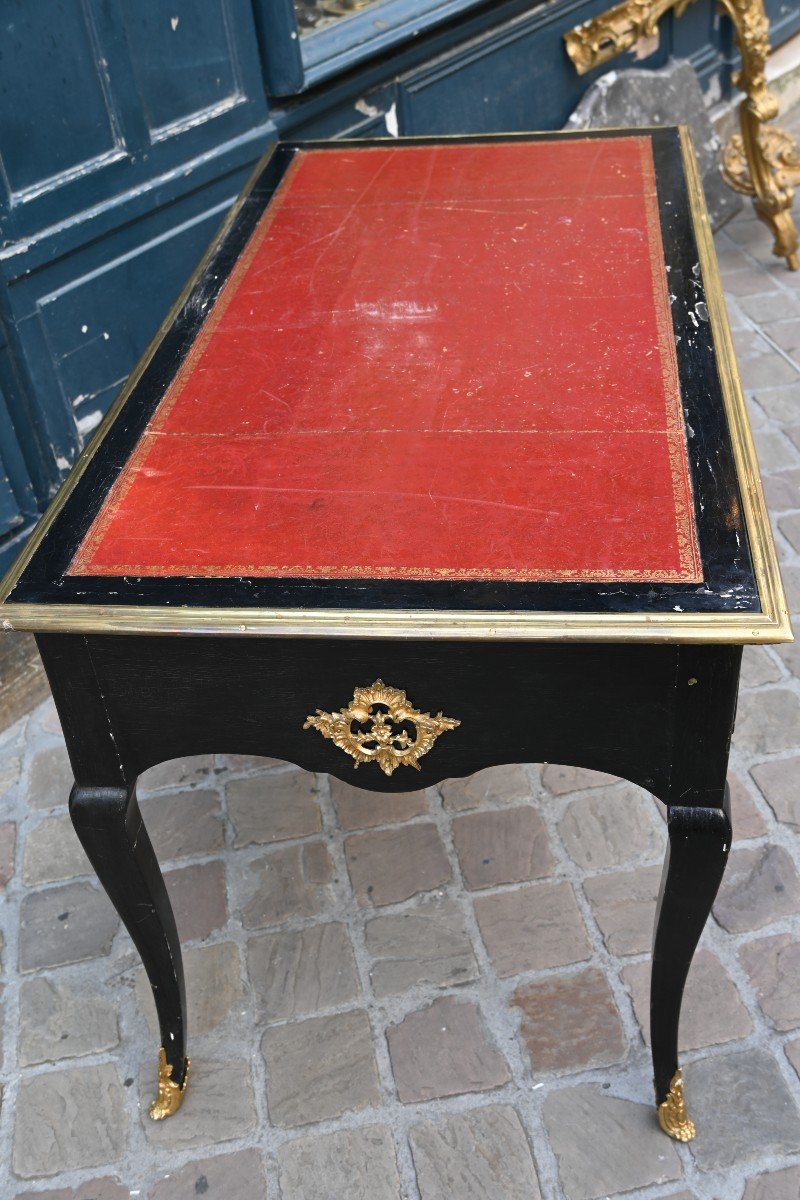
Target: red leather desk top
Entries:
(443, 361)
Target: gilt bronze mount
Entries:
(170, 1094)
(673, 1116)
(762, 161)
(384, 715)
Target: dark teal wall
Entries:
(127, 127)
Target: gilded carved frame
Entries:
(762, 161)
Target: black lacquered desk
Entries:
(440, 461)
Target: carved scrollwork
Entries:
(170, 1094)
(762, 163)
(673, 1116)
(381, 725)
(604, 37)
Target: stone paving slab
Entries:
(433, 996)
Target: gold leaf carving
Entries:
(761, 162)
(381, 725)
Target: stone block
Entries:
(791, 582)
(52, 852)
(773, 964)
(611, 827)
(779, 403)
(773, 304)
(50, 778)
(605, 1145)
(358, 1164)
(532, 928)
(443, 1050)
(295, 974)
(219, 1106)
(767, 370)
(508, 784)
(785, 334)
(712, 1010)
(178, 773)
(107, 1188)
(508, 845)
(560, 780)
(789, 654)
(289, 883)
(777, 1185)
(214, 990)
(184, 823)
(782, 491)
(273, 808)
(745, 816)
(360, 809)
(390, 865)
(428, 945)
(624, 905)
(793, 1054)
(68, 1120)
(742, 1108)
(237, 1176)
(319, 1069)
(669, 96)
(775, 452)
(760, 886)
(758, 665)
(570, 1022)
(199, 899)
(65, 925)
(778, 783)
(479, 1155)
(8, 844)
(790, 528)
(59, 1021)
(9, 775)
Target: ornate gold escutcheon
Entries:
(762, 161)
(381, 725)
(672, 1113)
(170, 1094)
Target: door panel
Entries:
(184, 60)
(100, 96)
(56, 116)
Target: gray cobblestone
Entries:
(68, 1119)
(319, 1069)
(482, 1155)
(65, 925)
(358, 1163)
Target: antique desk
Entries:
(458, 415)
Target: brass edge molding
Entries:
(673, 1116)
(761, 161)
(737, 628)
(759, 530)
(380, 736)
(86, 455)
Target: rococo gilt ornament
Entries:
(170, 1094)
(381, 725)
(760, 162)
(673, 1116)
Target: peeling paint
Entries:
(392, 124)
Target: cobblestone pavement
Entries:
(436, 996)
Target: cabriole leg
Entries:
(699, 842)
(109, 824)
